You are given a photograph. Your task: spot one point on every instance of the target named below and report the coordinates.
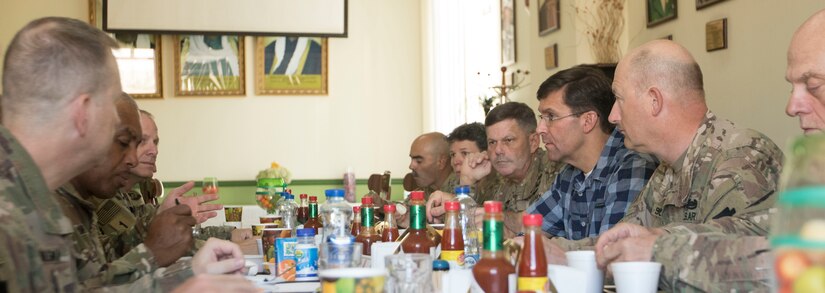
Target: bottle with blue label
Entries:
(306, 256)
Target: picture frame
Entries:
(701, 4)
(309, 72)
(660, 11)
(138, 58)
(209, 65)
(508, 32)
(551, 56)
(716, 35)
(549, 17)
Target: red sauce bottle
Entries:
(417, 240)
(452, 242)
(390, 232)
(493, 272)
(356, 221)
(302, 213)
(532, 265)
(368, 235)
(313, 219)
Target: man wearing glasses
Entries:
(602, 176)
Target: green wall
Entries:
(243, 192)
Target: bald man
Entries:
(716, 262)
(713, 177)
(430, 163)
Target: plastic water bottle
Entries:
(306, 256)
(287, 209)
(336, 213)
(472, 246)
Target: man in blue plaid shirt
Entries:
(602, 177)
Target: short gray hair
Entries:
(671, 75)
(53, 59)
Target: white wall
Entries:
(372, 112)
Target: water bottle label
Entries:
(306, 261)
(470, 260)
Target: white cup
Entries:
(636, 277)
(585, 260)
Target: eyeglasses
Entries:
(547, 118)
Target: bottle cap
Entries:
(417, 195)
(303, 195)
(532, 219)
(389, 208)
(356, 209)
(462, 189)
(441, 265)
(366, 200)
(452, 206)
(492, 206)
(305, 232)
(289, 196)
(334, 192)
(313, 199)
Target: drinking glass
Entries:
(409, 273)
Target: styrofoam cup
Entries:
(585, 261)
(636, 277)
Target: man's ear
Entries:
(656, 100)
(444, 162)
(590, 121)
(535, 141)
(79, 108)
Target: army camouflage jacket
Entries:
(518, 196)
(117, 244)
(713, 262)
(93, 268)
(725, 182)
(35, 250)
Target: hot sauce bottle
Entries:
(356, 221)
(302, 213)
(313, 219)
(417, 240)
(368, 235)
(452, 242)
(494, 273)
(390, 232)
(532, 265)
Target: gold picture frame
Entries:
(551, 56)
(291, 65)
(209, 65)
(508, 32)
(716, 35)
(549, 17)
(139, 58)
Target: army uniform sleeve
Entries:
(220, 232)
(713, 262)
(135, 264)
(742, 193)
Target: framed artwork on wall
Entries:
(138, 58)
(551, 56)
(508, 32)
(716, 35)
(209, 65)
(291, 65)
(705, 3)
(660, 11)
(548, 17)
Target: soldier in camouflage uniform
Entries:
(524, 170)
(719, 262)
(59, 80)
(720, 180)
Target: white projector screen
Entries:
(326, 18)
